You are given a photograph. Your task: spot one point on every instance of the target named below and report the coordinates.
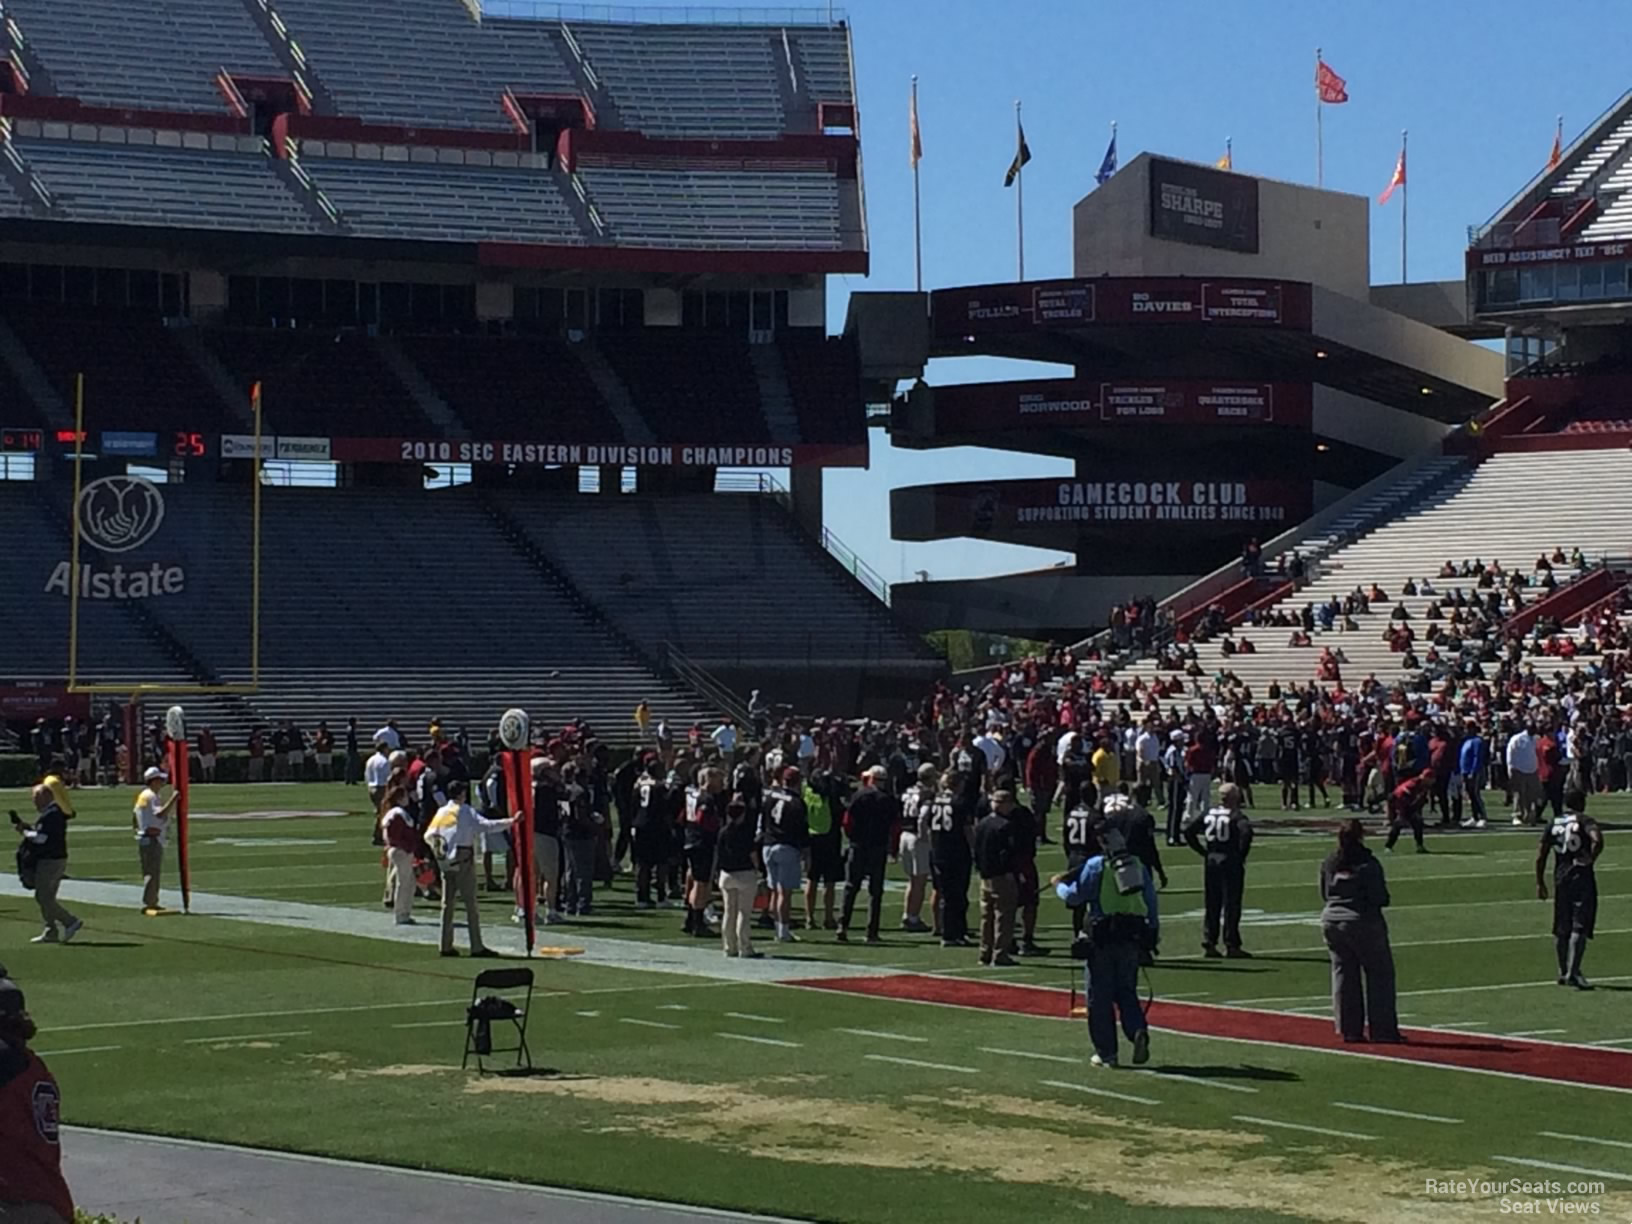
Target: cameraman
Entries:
(45, 851)
(1122, 921)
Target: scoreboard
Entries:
(116, 444)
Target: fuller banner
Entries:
(1203, 206)
(1074, 403)
(967, 314)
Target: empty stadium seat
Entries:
(690, 81)
(430, 202)
(513, 389)
(127, 184)
(708, 207)
(690, 386)
(824, 375)
(824, 61)
(149, 54)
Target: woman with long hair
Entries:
(1355, 893)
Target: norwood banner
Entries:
(1129, 522)
(1203, 206)
(961, 315)
(548, 452)
(1074, 403)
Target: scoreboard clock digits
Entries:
(21, 441)
(188, 444)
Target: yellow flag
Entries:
(1227, 162)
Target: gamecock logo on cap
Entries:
(119, 513)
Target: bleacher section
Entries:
(452, 624)
(428, 202)
(504, 388)
(317, 383)
(526, 57)
(148, 54)
(666, 568)
(712, 208)
(687, 81)
(823, 57)
(1511, 509)
(413, 62)
(690, 386)
(215, 183)
(136, 376)
(823, 375)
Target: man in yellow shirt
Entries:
(1106, 764)
(152, 821)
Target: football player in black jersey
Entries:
(1223, 837)
(1077, 834)
(951, 862)
(1575, 842)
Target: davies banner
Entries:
(1204, 206)
(1172, 518)
(962, 315)
(1072, 403)
(556, 453)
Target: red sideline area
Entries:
(1538, 1060)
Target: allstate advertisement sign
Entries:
(117, 515)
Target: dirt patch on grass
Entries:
(396, 1071)
(1038, 1142)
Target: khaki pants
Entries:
(399, 883)
(150, 850)
(999, 898)
(48, 875)
(737, 889)
(1528, 798)
(459, 888)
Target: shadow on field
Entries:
(1222, 1072)
(105, 943)
(549, 1073)
(1210, 966)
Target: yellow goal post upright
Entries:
(136, 691)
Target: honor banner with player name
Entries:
(1074, 403)
(1203, 206)
(1069, 305)
(1149, 521)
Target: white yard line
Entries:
(260, 1015)
(1609, 1041)
(1530, 1162)
(79, 1050)
(770, 1041)
(1436, 990)
(1057, 1058)
(588, 1015)
(855, 1032)
(228, 1037)
(1413, 943)
(756, 1019)
(1200, 1081)
(1299, 1126)
(1535, 1033)
(1100, 1092)
(658, 1024)
(1395, 1113)
(1456, 1024)
(1615, 1143)
(438, 1023)
(918, 1062)
(672, 1007)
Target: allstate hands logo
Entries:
(119, 513)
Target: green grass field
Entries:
(823, 1105)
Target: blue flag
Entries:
(1107, 167)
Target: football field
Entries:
(851, 1083)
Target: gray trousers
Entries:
(580, 874)
(459, 888)
(48, 875)
(1361, 948)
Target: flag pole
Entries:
(1320, 144)
(917, 215)
(1405, 199)
(1019, 196)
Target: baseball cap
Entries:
(11, 997)
(154, 772)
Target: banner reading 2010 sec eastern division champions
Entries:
(554, 453)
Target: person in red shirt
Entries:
(1406, 804)
(32, 1188)
(1549, 770)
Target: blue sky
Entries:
(1479, 87)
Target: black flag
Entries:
(1022, 155)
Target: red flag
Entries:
(1329, 87)
(915, 137)
(518, 783)
(1557, 154)
(177, 761)
(1397, 181)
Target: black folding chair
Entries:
(485, 1010)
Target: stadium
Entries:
(415, 422)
